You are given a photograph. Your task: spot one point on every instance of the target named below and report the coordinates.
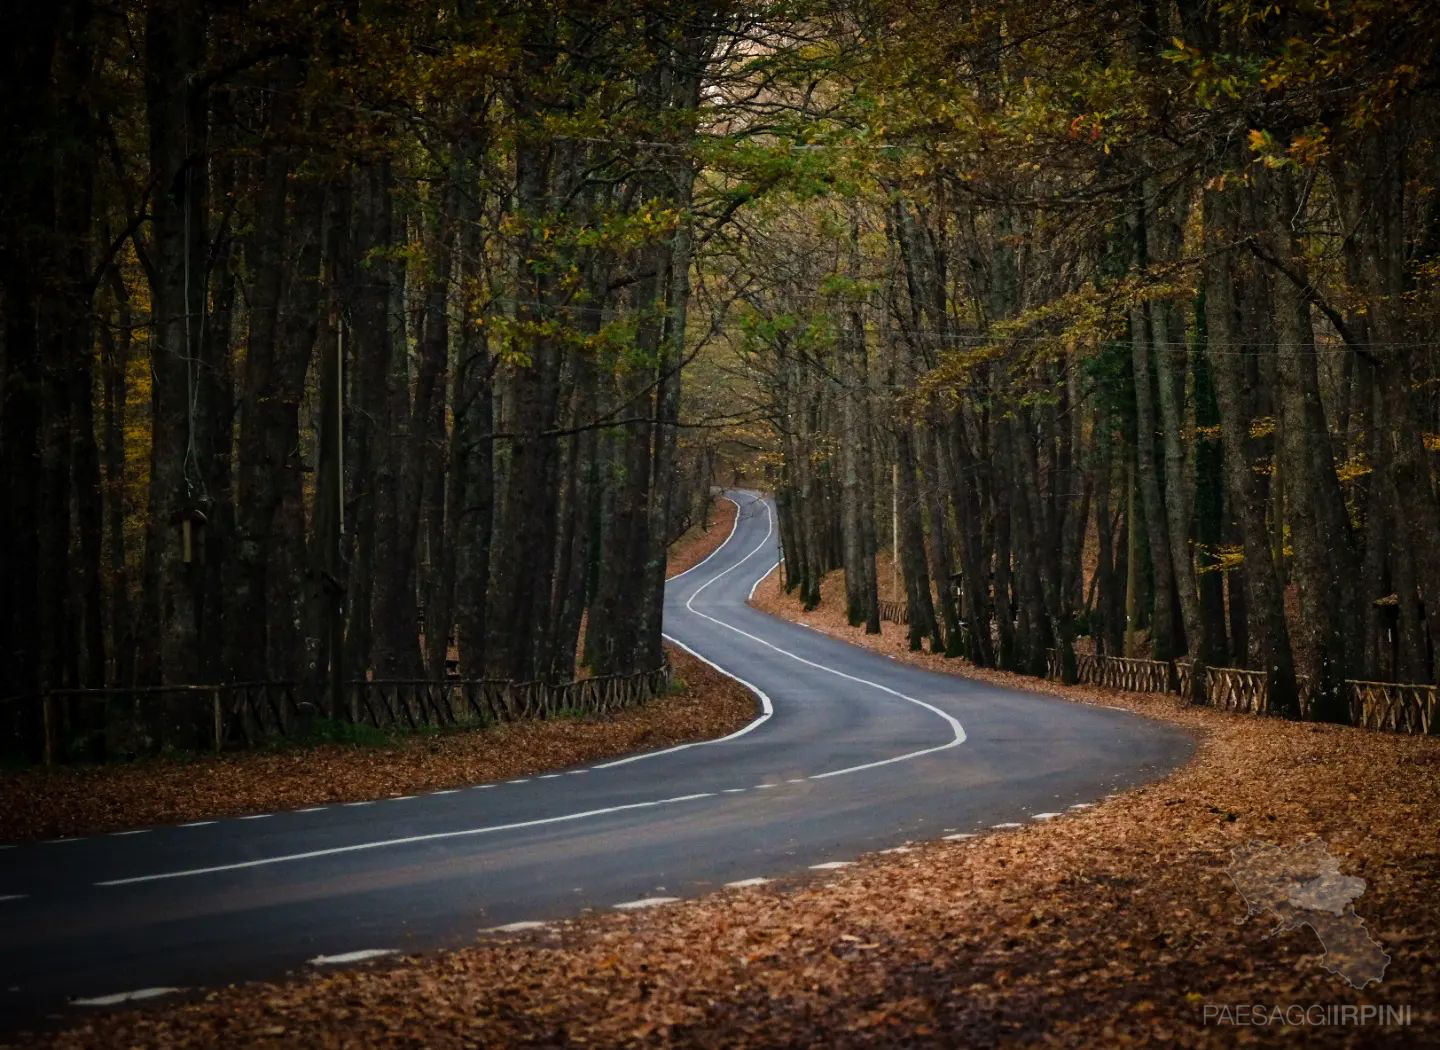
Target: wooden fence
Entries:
(893, 610)
(111, 722)
(1391, 706)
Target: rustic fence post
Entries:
(219, 720)
(47, 727)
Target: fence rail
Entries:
(120, 721)
(1393, 706)
(894, 610)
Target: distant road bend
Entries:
(851, 752)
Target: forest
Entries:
(335, 332)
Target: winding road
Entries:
(851, 752)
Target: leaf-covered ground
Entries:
(1108, 926)
(68, 800)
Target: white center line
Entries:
(1083, 805)
(547, 776)
(734, 791)
(521, 780)
(1003, 827)
(516, 927)
(312, 809)
(351, 957)
(256, 816)
(369, 802)
(447, 791)
(400, 798)
(125, 997)
(899, 849)
(137, 831)
(1043, 816)
(831, 865)
(645, 902)
(960, 837)
(203, 823)
(13, 896)
(746, 883)
(408, 840)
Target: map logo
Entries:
(1303, 886)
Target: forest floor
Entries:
(1108, 926)
(58, 801)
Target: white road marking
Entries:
(57, 842)
(734, 791)
(1005, 826)
(368, 802)
(746, 883)
(516, 927)
(899, 849)
(1043, 816)
(351, 957)
(733, 526)
(125, 997)
(644, 902)
(256, 816)
(519, 780)
(962, 836)
(312, 809)
(122, 834)
(548, 776)
(13, 896)
(797, 780)
(576, 772)
(436, 836)
(204, 823)
(400, 798)
(447, 791)
(831, 865)
(1083, 805)
(762, 787)
(756, 585)
(482, 787)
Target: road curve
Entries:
(851, 752)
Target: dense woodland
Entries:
(334, 331)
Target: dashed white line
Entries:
(576, 772)
(123, 834)
(204, 823)
(57, 842)
(899, 849)
(516, 927)
(831, 865)
(407, 840)
(1003, 827)
(960, 836)
(256, 816)
(548, 776)
(734, 791)
(125, 997)
(797, 780)
(367, 802)
(519, 780)
(644, 902)
(1043, 816)
(13, 896)
(312, 809)
(741, 884)
(351, 957)
(762, 787)
(447, 791)
(400, 798)
(1083, 805)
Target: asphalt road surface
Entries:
(852, 752)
